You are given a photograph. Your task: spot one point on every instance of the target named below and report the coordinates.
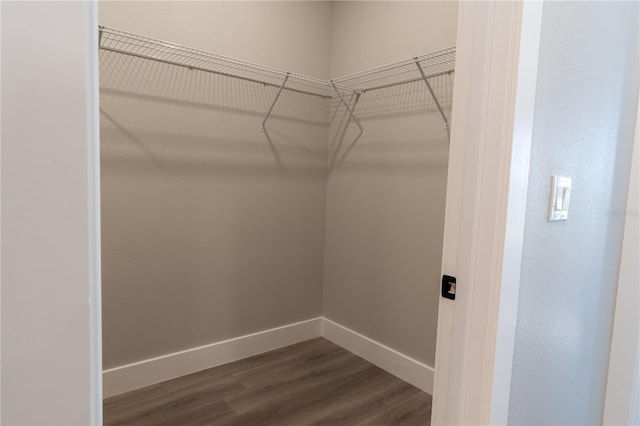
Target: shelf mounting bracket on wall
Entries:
(346, 152)
(433, 95)
(274, 101)
(349, 110)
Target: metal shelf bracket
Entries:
(349, 109)
(433, 95)
(274, 101)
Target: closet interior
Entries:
(246, 208)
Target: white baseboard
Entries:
(408, 369)
(155, 370)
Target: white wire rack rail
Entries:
(419, 68)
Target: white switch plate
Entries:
(560, 198)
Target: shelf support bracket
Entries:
(433, 95)
(349, 110)
(274, 102)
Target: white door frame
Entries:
(621, 405)
(493, 105)
(94, 210)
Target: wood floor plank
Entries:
(180, 399)
(195, 409)
(310, 383)
(133, 396)
(362, 403)
(215, 413)
(414, 411)
(302, 383)
(344, 400)
(119, 406)
(293, 408)
(289, 367)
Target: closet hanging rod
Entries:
(412, 70)
(142, 47)
(220, 73)
(434, 64)
(399, 83)
(444, 57)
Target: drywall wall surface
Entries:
(367, 34)
(293, 36)
(386, 192)
(211, 228)
(583, 128)
(50, 364)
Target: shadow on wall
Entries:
(211, 229)
(178, 120)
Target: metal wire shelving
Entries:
(420, 68)
(174, 54)
(407, 71)
(423, 68)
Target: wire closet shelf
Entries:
(419, 68)
(411, 70)
(126, 43)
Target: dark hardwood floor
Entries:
(309, 383)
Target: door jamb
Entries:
(623, 381)
(493, 105)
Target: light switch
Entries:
(560, 198)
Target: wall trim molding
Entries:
(136, 375)
(400, 365)
(143, 373)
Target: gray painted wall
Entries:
(584, 121)
(386, 193)
(210, 232)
